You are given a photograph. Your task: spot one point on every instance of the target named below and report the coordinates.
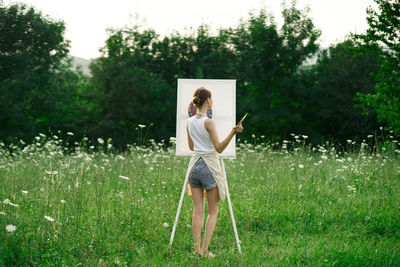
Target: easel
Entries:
(229, 204)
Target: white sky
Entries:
(86, 20)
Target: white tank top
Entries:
(200, 136)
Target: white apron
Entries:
(213, 163)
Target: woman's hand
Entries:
(238, 128)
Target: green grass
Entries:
(338, 209)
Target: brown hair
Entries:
(200, 96)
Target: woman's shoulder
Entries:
(208, 122)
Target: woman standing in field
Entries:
(205, 174)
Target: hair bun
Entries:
(196, 100)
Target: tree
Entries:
(268, 62)
(383, 38)
(328, 91)
(31, 48)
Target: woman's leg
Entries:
(197, 196)
(213, 200)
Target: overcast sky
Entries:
(86, 20)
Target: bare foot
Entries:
(197, 253)
(208, 254)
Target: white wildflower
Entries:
(300, 186)
(63, 201)
(141, 126)
(70, 133)
(305, 136)
(51, 172)
(49, 218)
(11, 228)
(7, 201)
(100, 140)
(301, 166)
(370, 136)
(351, 188)
(348, 141)
(22, 142)
(25, 192)
(324, 157)
(124, 177)
(165, 225)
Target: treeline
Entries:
(134, 81)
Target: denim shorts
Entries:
(200, 176)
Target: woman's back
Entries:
(201, 138)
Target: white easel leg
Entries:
(179, 209)
(230, 206)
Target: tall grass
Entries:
(294, 205)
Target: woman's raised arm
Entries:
(220, 146)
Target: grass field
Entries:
(293, 206)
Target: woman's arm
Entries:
(190, 142)
(220, 146)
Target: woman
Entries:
(205, 171)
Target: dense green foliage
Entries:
(38, 90)
(298, 206)
(383, 37)
(329, 89)
(134, 82)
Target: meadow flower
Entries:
(348, 141)
(141, 126)
(70, 133)
(324, 157)
(370, 136)
(25, 192)
(305, 136)
(165, 225)
(120, 157)
(124, 177)
(351, 188)
(63, 201)
(22, 142)
(49, 218)
(301, 166)
(100, 140)
(7, 201)
(11, 228)
(51, 172)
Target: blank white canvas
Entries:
(223, 93)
